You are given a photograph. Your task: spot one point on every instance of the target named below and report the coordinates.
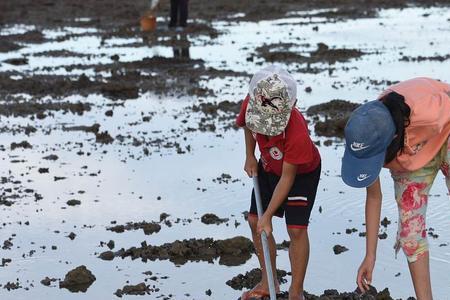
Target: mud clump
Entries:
(6, 202)
(326, 54)
(12, 286)
(29, 108)
(73, 202)
(385, 222)
(323, 54)
(338, 249)
(103, 138)
(100, 137)
(23, 144)
(72, 236)
(107, 255)
(120, 91)
(147, 227)
(78, 280)
(17, 61)
(212, 219)
(225, 106)
(47, 281)
(335, 115)
(439, 58)
(252, 278)
(138, 289)
(5, 262)
(93, 128)
(230, 252)
(6, 46)
(372, 294)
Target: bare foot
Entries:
(259, 291)
(296, 296)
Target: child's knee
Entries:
(297, 233)
(414, 248)
(253, 222)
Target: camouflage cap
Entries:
(273, 93)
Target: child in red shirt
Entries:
(288, 171)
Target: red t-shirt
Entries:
(293, 145)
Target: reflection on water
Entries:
(181, 46)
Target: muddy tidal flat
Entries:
(122, 169)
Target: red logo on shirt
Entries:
(275, 153)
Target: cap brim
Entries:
(255, 123)
(359, 173)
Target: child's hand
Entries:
(264, 224)
(251, 166)
(364, 278)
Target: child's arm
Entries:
(251, 164)
(280, 194)
(283, 187)
(373, 212)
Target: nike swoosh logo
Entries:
(362, 177)
(358, 148)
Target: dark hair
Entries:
(400, 113)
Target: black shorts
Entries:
(299, 202)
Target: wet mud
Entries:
(78, 280)
(322, 54)
(147, 227)
(213, 219)
(331, 117)
(229, 252)
(138, 289)
(252, 278)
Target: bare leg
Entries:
(299, 256)
(420, 273)
(264, 284)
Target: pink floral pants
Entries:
(411, 193)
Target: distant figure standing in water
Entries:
(407, 131)
(178, 13)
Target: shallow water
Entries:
(114, 193)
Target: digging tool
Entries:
(265, 244)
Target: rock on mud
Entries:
(372, 294)
(213, 219)
(47, 281)
(138, 289)
(338, 249)
(231, 252)
(73, 202)
(6, 46)
(107, 255)
(23, 144)
(103, 138)
(51, 157)
(78, 280)
(32, 108)
(214, 108)
(251, 278)
(12, 286)
(147, 227)
(17, 61)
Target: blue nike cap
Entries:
(368, 133)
